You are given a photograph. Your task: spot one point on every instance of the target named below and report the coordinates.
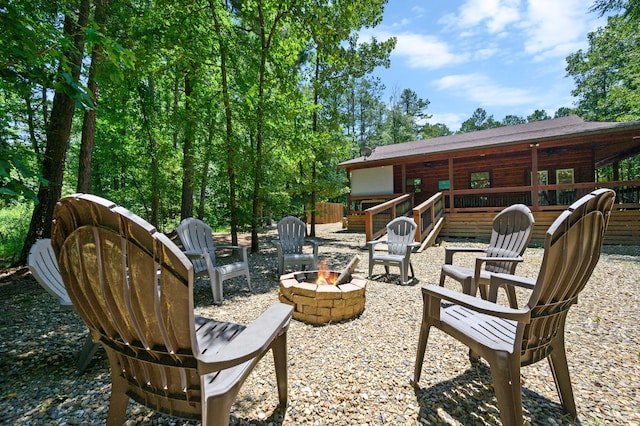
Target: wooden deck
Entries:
(624, 226)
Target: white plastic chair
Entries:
(197, 240)
(44, 267)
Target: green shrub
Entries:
(14, 224)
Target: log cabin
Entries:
(453, 185)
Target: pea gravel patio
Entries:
(350, 373)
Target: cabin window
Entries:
(543, 179)
(414, 185)
(565, 196)
(480, 180)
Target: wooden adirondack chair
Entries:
(290, 245)
(510, 338)
(400, 243)
(510, 236)
(197, 240)
(134, 289)
(44, 267)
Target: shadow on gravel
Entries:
(469, 399)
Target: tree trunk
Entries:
(186, 209)
(231, 171)
(58, 132)
(89, 119)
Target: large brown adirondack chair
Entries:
(134, 289)
(44, 267)
(510, 338)
(510, 235)
(290, 245)
(197, 239)
(400, 243)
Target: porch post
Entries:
(452, 207)
(534, 176)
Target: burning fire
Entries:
(324, 275)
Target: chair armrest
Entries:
(450, 251)
(477, 304)
(482, 260)
(252, 342)
(315, 244)
(240, 249)
(515, 280)
(498, 280)
(372, 244)
(196, 255)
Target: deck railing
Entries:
(427, 214)
(377, 217)
(548, 197)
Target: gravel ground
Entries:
(350, 373)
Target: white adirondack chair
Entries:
(290, 245)
(400, 243)
(44, 267)
(197, 240)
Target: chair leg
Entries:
(370, 267)
(216, 287)
(249, 281)
(442, 278)
(119, 399)
(560, 369)
(511, 296)
(505, 372)
(422, 346)
(279, 348)
(86, 354)
(403, 273)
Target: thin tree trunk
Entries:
(58, 133)
(89, 119)
(186, 209)
(231, 171)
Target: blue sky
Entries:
(506, 56)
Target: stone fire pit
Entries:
(322, 303)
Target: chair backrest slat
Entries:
(291, 232)
(401, 232)
(196, 236)
(572, 250)
(510, 235)
(139, 301)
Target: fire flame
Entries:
(324, 275)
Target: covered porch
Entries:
(466, 178)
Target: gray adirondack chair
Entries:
(510, 236)
(44, 267)
(290, 245)
(509, 338)
(197, 240)
(133, 287)
(400, 243)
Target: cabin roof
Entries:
(558, 128)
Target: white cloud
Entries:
(496, 15)
(421, 50)
(557, 28)
(425, 51)
(480, 90)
